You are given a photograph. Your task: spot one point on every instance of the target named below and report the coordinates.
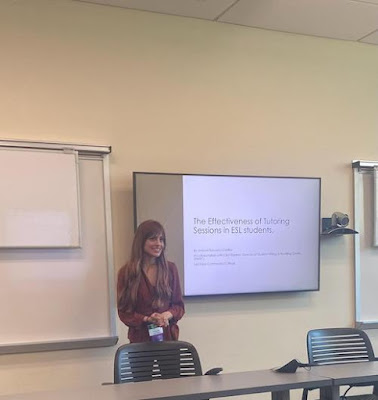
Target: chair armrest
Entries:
(214, 371)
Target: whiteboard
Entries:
(366, 252)
(39, 204)
(63, 298)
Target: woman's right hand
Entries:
(158, 319)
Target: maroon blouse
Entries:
(138, 331)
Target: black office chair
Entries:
(340, 346)
(138, 362)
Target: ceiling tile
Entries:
(340, 19)
(204, 9)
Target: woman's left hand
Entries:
(162, 319)
(158, 319)
(167, 316)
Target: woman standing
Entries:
(148, 286)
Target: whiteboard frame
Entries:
(358, 168)
(375, 210)
(80, 148)
(83, 151)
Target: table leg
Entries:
(281, 395)
(330, 393)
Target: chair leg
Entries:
(375, 389)
(282, 395)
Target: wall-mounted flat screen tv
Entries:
(235, 234)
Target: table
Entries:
(192, 388)
(346, 374)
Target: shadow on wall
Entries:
(123, 225)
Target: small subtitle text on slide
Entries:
(209, 257)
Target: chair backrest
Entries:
(338, 345)
(137, 362)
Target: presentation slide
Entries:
(250, 234)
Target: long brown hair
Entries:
(133, 270)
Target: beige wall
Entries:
(182, 95)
